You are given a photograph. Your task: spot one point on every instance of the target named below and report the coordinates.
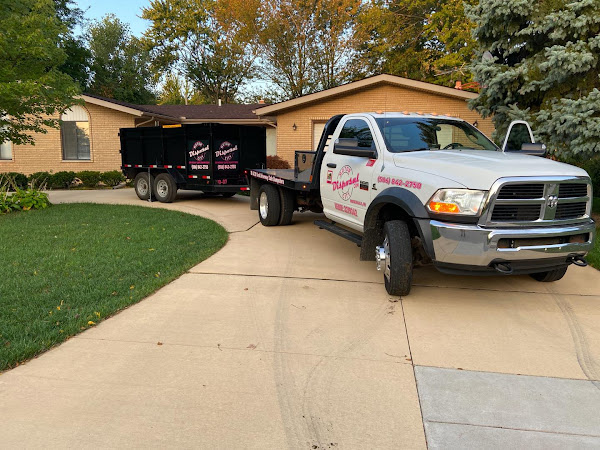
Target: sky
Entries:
(127, 11)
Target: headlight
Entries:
(464, 202)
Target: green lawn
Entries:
(68, 267)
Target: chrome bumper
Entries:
(473, 245)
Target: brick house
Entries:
(300, 121)
(88, 138)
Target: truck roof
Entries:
(418, 115)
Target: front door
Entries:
(346, 180)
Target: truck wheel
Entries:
(288, 204)
(142, 185)
(165, 188)
(394, 257)
(269, 205)
(551, 275)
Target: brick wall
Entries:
(46, 154)
(375, 98)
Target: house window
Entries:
(75, 134)
(6, 151)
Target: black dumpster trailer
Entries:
(203, 157)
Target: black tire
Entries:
(269, 205)
(550, 275)
(228, 194)
(288, 205)
(398, 266)
(143, 186)
(165, 188)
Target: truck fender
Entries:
(410, 204)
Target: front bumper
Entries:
(473, 246)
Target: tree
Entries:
(428, 40)
(77, 62)
(191, 36)
(179, 91)
(32, 88)
(120, 63)
(542, 66)
(302, 45)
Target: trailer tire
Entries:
(398, 262)
(165, 188)
(550, 275)
(143, 186)
(288, 205)
(269, 205)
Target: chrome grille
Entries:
(517, 191)
(537, 201)
(570, 210)
(569, 190)
(516, 213)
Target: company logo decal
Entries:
(329, 176)
(345, 183)
(226, 151)
(199, 151)
(364, 186)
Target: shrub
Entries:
(20, 199)
(61, 180)
(275, 162)
(112, 178)
(591, 166)
(89, 178)
(26, 199)
(39, 180)
(18, 179)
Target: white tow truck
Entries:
(414, 189)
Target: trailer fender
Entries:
(414, 210)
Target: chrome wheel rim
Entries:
(263, 205)
(386, 264)
(162, 188)
(142, 186)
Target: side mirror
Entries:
(535, 149)
(518, 134)
(350, 147)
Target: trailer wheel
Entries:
(394, 257)
(269, 205)
(142, 185)
(550, 275)
(165, 188)
(288, 205)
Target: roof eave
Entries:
(367, 82)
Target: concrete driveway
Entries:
(283, 339)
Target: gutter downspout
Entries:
(142, 123)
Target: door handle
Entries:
(332, 165)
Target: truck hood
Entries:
(478, 169)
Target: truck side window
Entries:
(358, 129)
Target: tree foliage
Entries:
(32, 88)
(77, 61)
(544, 68)
(179, 91)
(120, 63)
(427, 40)
(302, 45)
(193, 37)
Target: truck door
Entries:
(347, 172)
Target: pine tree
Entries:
(544, 68)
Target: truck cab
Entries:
(415, 189)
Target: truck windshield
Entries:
(409, 134)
